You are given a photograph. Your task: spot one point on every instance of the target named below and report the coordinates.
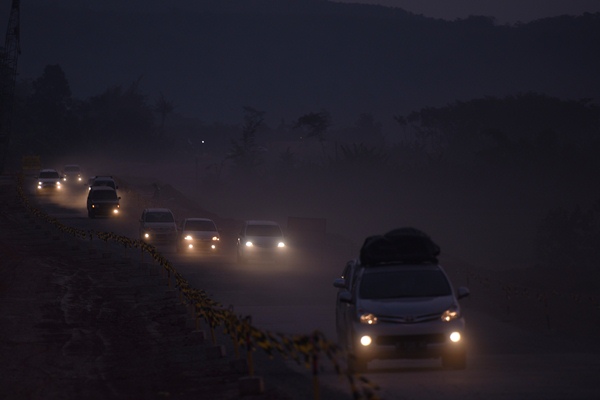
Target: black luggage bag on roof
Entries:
(405, 245)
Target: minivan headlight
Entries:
(455, 337)
(368, 318)
(451, 314)
(366, 340)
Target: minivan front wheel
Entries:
(240, 257)
(455, 360)
(356, 364)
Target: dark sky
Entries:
(228, 95)
(505, 11)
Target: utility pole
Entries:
(8, 76)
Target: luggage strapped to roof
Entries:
(403, 245)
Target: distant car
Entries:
(157, 225)
(102, 200)
(260, 239)
(48, 181)
(198, 235)
(103, 180)
(404, 309)
(72, 174)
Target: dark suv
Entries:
(103, 180)
(102, 200)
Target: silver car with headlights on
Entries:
(261, 240)
(72, 174)
(198, 235)
(399, 308)
(157, 225)
(48, 181)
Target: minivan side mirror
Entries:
(339, 283)
(345, 297)
(463, 292)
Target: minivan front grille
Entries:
(409, 319)
(393, 340)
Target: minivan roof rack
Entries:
(402, 245)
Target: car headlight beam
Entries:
(366, 340)
(368, 318)
(455, 337)
(451, 314)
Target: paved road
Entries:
(90, 322)
(515, 353)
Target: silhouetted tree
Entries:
(369, 131)
(568, 239)
(120, 116)
(244, 152)
(463, 129)
(316, 124)
(49, 106)
(163, 107)
(52, 87)
(362, 156)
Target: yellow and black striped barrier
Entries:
(303, 349)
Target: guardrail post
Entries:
(141, 256)
(92, 248)
(315, 365)
(248, 323)
(216, 351)
(236, 336)
(198, 331)
(250, 385)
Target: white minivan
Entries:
(397, 302)
(157, 225)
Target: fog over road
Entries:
(514, 352)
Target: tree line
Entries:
(528, 134)
(523, 128)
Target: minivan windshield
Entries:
(200, 225)
(263, 230)
(404, 283)
(159, 216)
(49, 175)
(104, 195)
(104, 182)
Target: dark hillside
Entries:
(214, 58)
